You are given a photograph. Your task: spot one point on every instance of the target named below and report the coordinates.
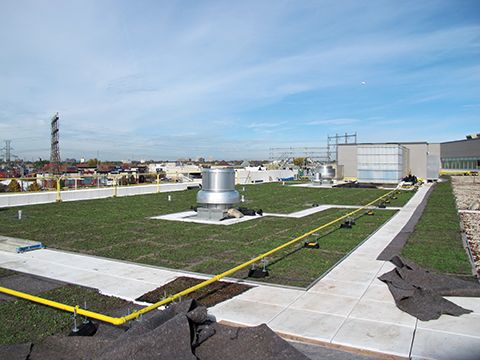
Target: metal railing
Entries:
(56, 183)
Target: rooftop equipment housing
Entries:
(383, 163)
(324, 174)
(218, 193)
(317, 179)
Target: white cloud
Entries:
(132, 73)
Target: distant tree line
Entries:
(14, 186)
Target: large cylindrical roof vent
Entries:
(218, 189)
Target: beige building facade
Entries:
(423, 159)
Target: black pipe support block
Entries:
(88, 328)
(257, 273)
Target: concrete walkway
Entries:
(351, 307)
(111, 277)
(348, 307)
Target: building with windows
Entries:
(461, 155)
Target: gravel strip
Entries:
(466, 190)
(467, 195)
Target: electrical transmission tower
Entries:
(55, 149)
(8, 151)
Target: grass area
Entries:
(24, 321)
(273, 197)
(300, 266)
(120, 228)
(436, 242)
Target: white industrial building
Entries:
(389, 162)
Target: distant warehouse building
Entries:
(390, 162)
(461, 155)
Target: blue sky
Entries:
(229, 79)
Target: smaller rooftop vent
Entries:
(317, 179)
(324, 174)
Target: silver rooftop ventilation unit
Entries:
(317, 179)
(218, 193)
(324, 174)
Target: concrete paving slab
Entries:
(38, 268)
(469, 303)
(429, 344)
(80, 263)
(149, 275)
(102, 274)
(378, 293)
(375, 336)
(377, 282)
(271, 295)
(352, 276)
(94, 280)
(325, 303)
(70, 260)
(339, 287)
(245, 312)
(301, 213)
(14, 245)
(354, 263)
(377, 243)
(132, 292)
(362, 254)
(386, 267)
(372, 249)
(321, 352)
(382, 312)
(468, 324)
(191, 217)
(307, 324)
